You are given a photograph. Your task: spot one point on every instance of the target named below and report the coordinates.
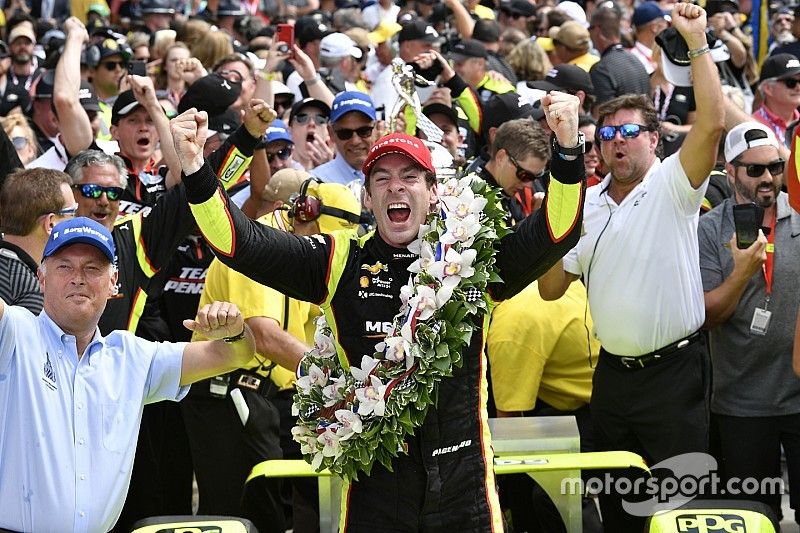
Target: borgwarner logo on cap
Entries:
(275, 129)
(83, 229)
(352, 101)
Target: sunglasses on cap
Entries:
(113, 65)
(304, 118)
(627, 131)
(790, 83)
(524, 175)
(282, 154)
(94, 191)
(756, 170)
(345, 134)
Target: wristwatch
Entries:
(576, 150)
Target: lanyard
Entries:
(770, 262)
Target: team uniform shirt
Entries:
(448, 471)
(488, 87)
(638, 310)
(18, 282)
(12, 96)
(744, 362)
(586, 61)
(69, 426)
(539, 349)
(144, 187)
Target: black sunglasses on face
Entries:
(284, 103)
(283, 154)
(94, 191)
(303, 118)
(756, 170)
(345, 134)
(790, 83)
(524, 175)
(113, 65)
(627, 131)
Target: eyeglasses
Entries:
(524, 175)
(790, 83)
(282, 154)
(65, 212)
(19, 142)
(303, 118)
(113, 65)
(94, 191)
(756, 170)
(627, 131)
(345, 134)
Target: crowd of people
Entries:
(164, 164)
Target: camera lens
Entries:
(283, 48)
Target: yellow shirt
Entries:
(539, 349)
(585, 61)
(255, 300)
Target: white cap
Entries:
(574, 11)
(280, 88)
(338, 45)
(746, 135)
(680, 75)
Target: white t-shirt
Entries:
(643, 274)
(374, 14)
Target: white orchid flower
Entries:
(455, 264)
(426, 258)
(397, 348)
(414, 245)
(464, 204)
(367, 365)
(324, 343)
(316, 377)
(370, 398)
(350, 424)
(461, 230)
(330, 443)
(425, 302)
(406, 292)
(333, 391)
(451, 187)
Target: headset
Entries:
(93, 54)
(308, 208)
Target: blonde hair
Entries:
(18, 120)
(162, 41)
(212, 47)
(529, 61)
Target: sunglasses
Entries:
(345, 134)
(283, 103)
(524, 175)
(790, 83)
(113, 65)
(627, 131)
(756, 170)
(282, 154)
(94, 191)
(19, 142)
(65, 212)
(304, 118)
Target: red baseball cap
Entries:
(399, 143)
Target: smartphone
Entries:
(285, 34)
(137, 67)
(747, 221)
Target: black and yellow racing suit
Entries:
(446, 480)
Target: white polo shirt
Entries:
(68, 427)
(645, 290)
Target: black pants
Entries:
(224, 452)
(161, 480)
(658, 412)
(750, 447)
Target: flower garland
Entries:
(349, 418)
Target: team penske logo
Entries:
(190, 281)
(710, 523)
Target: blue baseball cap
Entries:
(646, 13)
(347, 101)
(80, 230)
(278, 131)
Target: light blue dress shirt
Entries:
(338, 170)
(68, 426)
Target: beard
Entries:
(751, 193)
(21, 59)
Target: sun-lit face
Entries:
(101, 209)
(399, 197)
(76, 281)
(762, 189)
(628, 158)
(355, 149)
(777, 92)
(137, 136)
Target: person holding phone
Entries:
(751, 307)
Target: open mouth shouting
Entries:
(398, 212)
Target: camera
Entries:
(283, 48)
(429, 73)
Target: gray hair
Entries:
(330, 62)
(97, 158)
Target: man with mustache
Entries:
(742, 285)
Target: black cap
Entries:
(111, 47)
(308, 29)
(486, 31)
(721, 6)
(156, 7)
(418, 30)
(230, 8)
(441, 109)
(501, 108)
(124, 105)
(780, 66)
(467, 48)
(565, 77)
(521, 7)
(44, 84)
(87, 97)
(309, 102)
(212, 94)
(226, 122)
